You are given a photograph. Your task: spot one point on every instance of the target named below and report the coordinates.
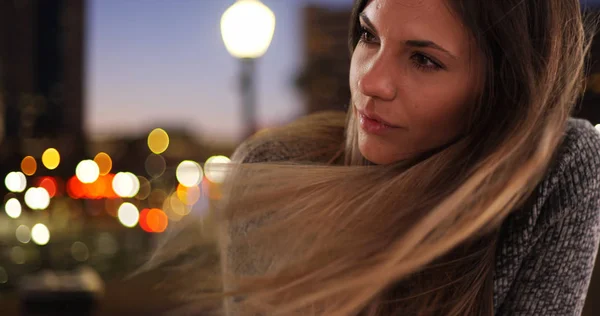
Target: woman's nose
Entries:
(377, 81)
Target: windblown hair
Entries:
(325, 232)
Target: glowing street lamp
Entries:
(247, 29)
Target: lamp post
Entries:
(247, 29)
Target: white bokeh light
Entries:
(215, 168)
(247, 28)
(37, 198)
(23, 234)
(126, 184)
(128, 215)
(189, 173)
(598, 127)
(13, 208)
(87, 171)
(40, 234)
(15, 181)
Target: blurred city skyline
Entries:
(156, 64)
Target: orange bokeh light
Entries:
(28, 165)
(188, 195)
(157, 220)
(104, 163)
(99, 189)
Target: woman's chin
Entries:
(379, 155)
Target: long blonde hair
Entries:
(324, 232)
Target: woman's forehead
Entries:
(432, 20)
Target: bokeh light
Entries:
(13, 208)
(166, 208)
(99, 189)
(102, 188)
(15, 181)
(128, 215)
(144, 220)
(189, 173)
(50, 185)
(28, 165)
(157, 220)
(174, 208)
(158, 141)
(598, 127)
(40, 234)
(126, 184)
(155, 165)
(87, 171)
(104, 163)
(51, 158)
(37, 198)
(145, 188)
(23, 234)
(80, 251)
(75, 189)
(188, 195)
(215, 168)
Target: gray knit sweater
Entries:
(547, 249)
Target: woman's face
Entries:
(413, 75)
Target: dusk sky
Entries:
(156, 63)
(153, 63)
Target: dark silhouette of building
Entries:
(324, 78)
(41, 80)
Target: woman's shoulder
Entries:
(575, 171)
(556, 232)
(579, 151)
(571, 181)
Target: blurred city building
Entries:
(324, 79)
(91, 224)
(42, 80)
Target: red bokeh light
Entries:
(75, 188)
(50, 184)
(99, 189)
(144, 220)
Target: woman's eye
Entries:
(366, 36)
(423, 62)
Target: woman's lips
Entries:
(373, 125)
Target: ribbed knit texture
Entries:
(546, 249)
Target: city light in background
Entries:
(181, 73)
(132, 199)
(142, 139)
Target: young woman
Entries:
(456, 184)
